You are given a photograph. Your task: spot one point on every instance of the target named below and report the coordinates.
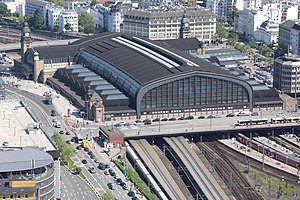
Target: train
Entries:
(276, 120)
(270, 152)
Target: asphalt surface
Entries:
(42, 112)
(99, 180)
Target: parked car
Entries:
(211, 116)
(280, 115)
(119, 180)
(125, 187)
(96, 160)
(180, 118)
(201, 117)
(79, 147)
(138, 122)
(61, 132)
(189, 117)
(244, 113)
(164, 120)
(156, 120)
(147, 123)
(106, 172)
(172, 119)
(68, 133)
(146, 120)
(254, 114)
(230, 115)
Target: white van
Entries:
(57, 125)
(244, 113)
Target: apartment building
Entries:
(68, 17)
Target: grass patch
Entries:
(135, 178)
(282, 189)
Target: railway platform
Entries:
(291, 138)
(270, 143)
(243, 149)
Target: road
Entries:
(41, 112)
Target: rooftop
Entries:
(24, 159)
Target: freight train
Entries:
(268, 151)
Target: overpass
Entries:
(17, 46)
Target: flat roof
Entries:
(13, 121)
(24, 159)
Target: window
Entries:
(26, 196)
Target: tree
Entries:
(281, 50)
(58, 2)
(221, 31)
(68, 27)
(4, 12)
(21, 19)
(78, 170)
(36, 20)
(233, 37)
(55, 28)
(94, 2)
(108, 196)
(231, 16)
(86, 22)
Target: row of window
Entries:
(12, 196)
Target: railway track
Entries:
(238, 184)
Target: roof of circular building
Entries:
(24, 159)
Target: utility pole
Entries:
(270, 187)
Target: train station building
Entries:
(136, 77)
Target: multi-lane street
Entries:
(68, 186)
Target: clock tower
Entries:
(26, 40)
(185, 26)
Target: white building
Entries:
(247, 21)
(54, 16)
(267, 33)
(69, 17)
(32, 5)
(252, 4)
(13, 5)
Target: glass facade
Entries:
(195, 91)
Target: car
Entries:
(211, 116)
(122, 183)
(146, 120)
(218, 116)
(79, 147)
(189, 117)
(131, 193)
(125, 187)
(134, 198)
(230, 115)
(201, 117)
(68, 133)
(92, 170)
(96, 160)
(68, 142)
(111, 186)
(102, 167)
(119, 180)
(73, 139)
(86, 149)
(164, 120)
(138, 122)
(53, 113)
(61, 132)
(106, 172)
(127, 124)
(147, 123)
(254, 114)
(181, 118)
(93, 156)
(110, 170)
(113, 174)
(280, 115)
(84, 161)
(106, 166)
(156, 120)
(90, 153)
(172, 119)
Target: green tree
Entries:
(221, 31)
(55, 28)
(68, 27)
(86, 22)
(231, 16)
(4, 12)
(281, 50)
(94, 2)
(78, 170)
(21, 19)
(36, 21)
(233, 38)
(108, 196)
(58, 2)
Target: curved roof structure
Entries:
(24, 159)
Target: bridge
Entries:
(17, 46)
